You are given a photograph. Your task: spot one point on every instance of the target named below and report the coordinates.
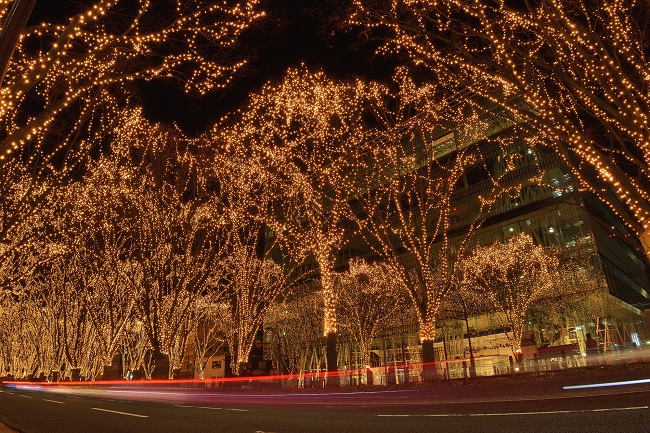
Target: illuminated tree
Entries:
(81, 69)
(40, 355)
(176, 246)
(305, 134)
(94, 224)
(580, 295)
(571, 75)
(25, 206)
(414, 216)
(136, 350)
(251, 281)
(209, 330)
(512, 275)
(55, 321)
(294, 329)
(460, 305)
(368, 301)
(149, 220)
(14, 358)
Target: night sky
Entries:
(293, 32)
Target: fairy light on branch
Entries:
(90, 61)
(573, 74)
(303, 137)
(512, 275)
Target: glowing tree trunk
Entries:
(330, 327)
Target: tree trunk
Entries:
(332, 357)
(429, 368)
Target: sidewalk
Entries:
(531, 387)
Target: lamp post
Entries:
(11, 30)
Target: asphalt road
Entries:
(45, 410)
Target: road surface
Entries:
(549, 407)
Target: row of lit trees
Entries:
(152, 243)
(277, 187)
(508, 280)
(140, 252)
(139, 221)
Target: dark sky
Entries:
(293, 32)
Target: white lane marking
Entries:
(73, 396)
(120, 413)
(53, 401)
(550, 412)
(606, 384)
(26, 396)
(212, 408)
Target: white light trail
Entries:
(606, 384)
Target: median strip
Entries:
(120, 413)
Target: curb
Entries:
(5, 429)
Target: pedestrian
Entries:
(591, 346)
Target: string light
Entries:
(369, 302)
(573, 75)
(512, 275)
(84, 67)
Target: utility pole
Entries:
(11, 30)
